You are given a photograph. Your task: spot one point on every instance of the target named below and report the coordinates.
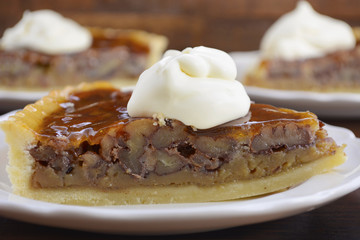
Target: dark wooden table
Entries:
(337, 220)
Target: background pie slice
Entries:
(115, 55)
(335, 72)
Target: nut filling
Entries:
(91, 140)
(338, 71)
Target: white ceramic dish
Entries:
(244, 61)
(187, 218)
(323, 104)
(10, 100)
(337, 105)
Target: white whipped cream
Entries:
(304, 33)
(48, 32)
(196, 86)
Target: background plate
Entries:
(187, 218)
(338, 105)
(11, 99)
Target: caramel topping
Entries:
(258, 116)
(89, 115)
(102, 41)
(263, 113)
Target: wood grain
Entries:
(230, 25)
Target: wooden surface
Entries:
(231, 25)
(337, 220)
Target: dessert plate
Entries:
(17, 99)
(244, 61)
(192, 217)
(12, 99)
(323, 104)
(337, 105)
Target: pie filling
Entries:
(92, 141)
(338, 71)
(117, 56)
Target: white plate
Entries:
(244, 61)
(187, 218)
(323, 104)
(11, 99)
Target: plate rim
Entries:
(174, 213)
(302, 95)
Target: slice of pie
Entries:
(80, 146)
(119, 56)
(336, 72)
(308, 51)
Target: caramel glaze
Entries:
(108, 41)
(87, 116)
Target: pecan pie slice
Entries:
(335, 72)
(119, 56)
(80, 146)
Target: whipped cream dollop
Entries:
(48, 32)
(304, 33)
(196, 86)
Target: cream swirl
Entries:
(304, 33)
(196, 86)
(48, 32)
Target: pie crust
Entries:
(79, 146)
